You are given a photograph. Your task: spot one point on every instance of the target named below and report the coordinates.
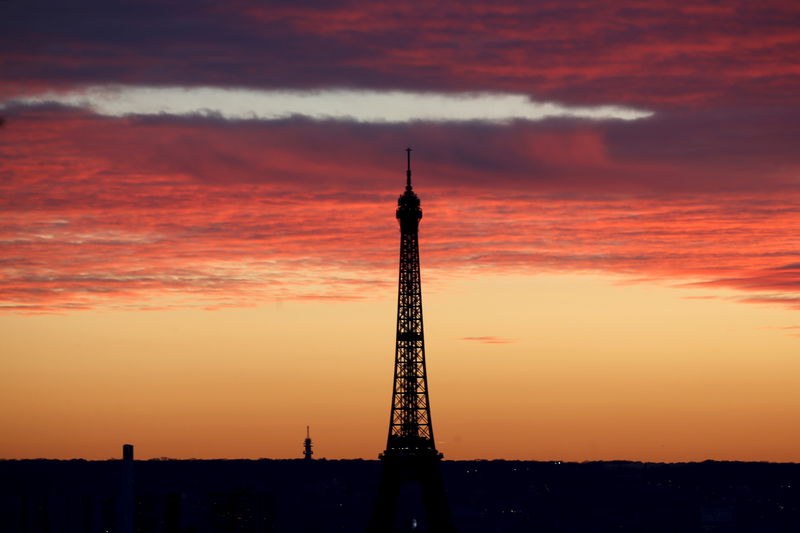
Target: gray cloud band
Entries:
(330, 104)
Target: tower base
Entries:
(411, 496)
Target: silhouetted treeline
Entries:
(230, 496)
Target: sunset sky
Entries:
(199, 249)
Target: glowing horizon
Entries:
(239, 383)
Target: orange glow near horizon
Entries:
(545, 368)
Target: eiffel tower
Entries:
(411, 494)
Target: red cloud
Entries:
(111, 212)
(654, 53)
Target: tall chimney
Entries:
(127, 496)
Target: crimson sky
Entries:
(153, 211)
(102, 210)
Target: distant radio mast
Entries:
(307, 452)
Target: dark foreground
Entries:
(486, 496)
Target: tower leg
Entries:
(422, 477)
(385, 508)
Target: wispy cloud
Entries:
(489, 340)
(329, 104)
(113, 211)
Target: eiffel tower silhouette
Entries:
(411, 494)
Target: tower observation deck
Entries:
(410, 457)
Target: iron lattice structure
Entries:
(410, 428)
(410, 457)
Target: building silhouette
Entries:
(126, 503)
(411, 494)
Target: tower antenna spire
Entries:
(408, 169)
